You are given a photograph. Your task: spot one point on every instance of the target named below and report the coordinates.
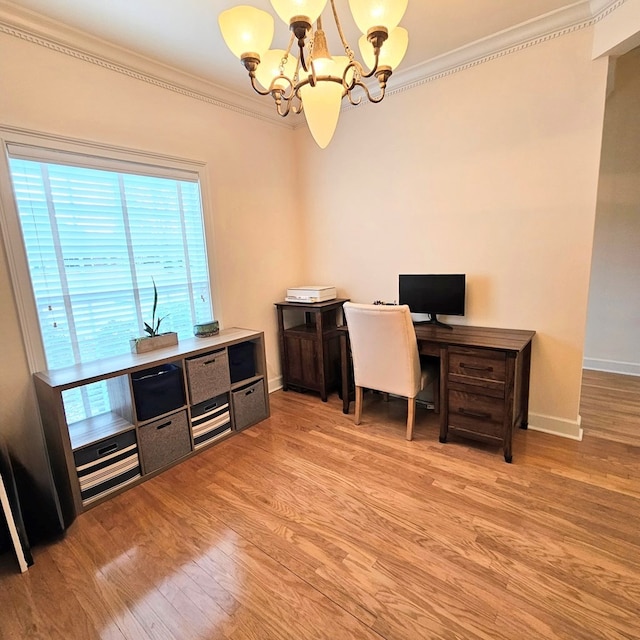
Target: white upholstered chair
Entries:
(385, 355)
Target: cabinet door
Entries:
(301, 366)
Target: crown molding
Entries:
(36, 29)
(31, 27)
(579, 15)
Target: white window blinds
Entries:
(96, 239)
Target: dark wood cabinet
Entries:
(310, 345)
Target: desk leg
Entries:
(344, 370)
(444, 393)
(509, 406)
(524, 386)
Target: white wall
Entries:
(491, 172)
(257, 230)
(613, 325)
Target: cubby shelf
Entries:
(94, 458)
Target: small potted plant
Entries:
(154, 339)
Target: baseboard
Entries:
(537, 422)
(275, 384)
(612, 366)
(556, 426)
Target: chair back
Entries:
(384, 348)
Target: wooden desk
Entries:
(484, 380)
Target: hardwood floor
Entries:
(306, 526)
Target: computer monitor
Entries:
(433, 294)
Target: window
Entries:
(97, 235)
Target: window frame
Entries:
(105, 156)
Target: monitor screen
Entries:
(433, 293)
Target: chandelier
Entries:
(315, 82)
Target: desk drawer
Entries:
(429, 348)
(477, 363)
(476, 414)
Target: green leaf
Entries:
(155, 302)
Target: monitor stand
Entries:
(433, 319)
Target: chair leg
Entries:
(358, 404)
(411, 417)
(385, 396)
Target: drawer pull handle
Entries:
(481, 415)
(476, 368)
(250, 392)
(107, 450)
(208, 407)
(209, 361)
(162, 426)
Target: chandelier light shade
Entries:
(268, 70)
(371, 14)
(289, 9)
(315, 82)
(391, 54)
(246, 30)
(322, 106)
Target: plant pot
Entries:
(150, 343)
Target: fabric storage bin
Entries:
(157, 390)
(107, 465)
(164, 441)
(208, 376)
(210, 420)
(249, 405)
(242, 361)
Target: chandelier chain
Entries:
(345, 44)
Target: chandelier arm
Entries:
(301, 59)
(379, 98)
(285, 94)
(299, 108)
(355, 103)
(284, 112)
(256, 88)
(375, 65)
(370, 98)
(358, 73)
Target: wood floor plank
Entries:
(308, 526)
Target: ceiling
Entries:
(184, 34)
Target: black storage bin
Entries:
(157, 390)
(242, 362)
